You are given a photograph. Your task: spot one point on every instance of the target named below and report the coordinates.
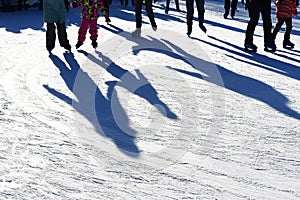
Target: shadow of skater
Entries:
(240, 84)
(95, 107)
(139, 86)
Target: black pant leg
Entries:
(138, 13)
(201, 10)
(226, 4)
(233, 4)
(149, 10)
(288, 29)
(167, 4)
(267, 21)
(189, 12)
(254, 12)
(62, 36)
(50, 36)
(277, 27)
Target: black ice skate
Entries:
(94, 44)
(288, 45)
(250, 48)
(270, 47)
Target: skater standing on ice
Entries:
(285, 9)
(190, 15)
(255, 7)
(227, 6)
(55, 17)
(138, 16)
(89, 15)
(168, 5)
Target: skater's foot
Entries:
(250, 47)
(226, 14)
(79, 43)
(287, 44)
(270, 47)
(202, 27)
(94, 44)
(136, 33)
(189, 30)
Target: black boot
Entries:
(287, 44)
(153, 23)
(270, 47)
(250, 47)
(226, 14)
(79, 43)
(167, 10)
(189, 30)
(202, 27)
(94, 43)
(232, 13)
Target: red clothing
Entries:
(285, 9)
(89, 14)
(84, 26)
(90, 8)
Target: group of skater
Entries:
(55, 17)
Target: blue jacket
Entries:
(54, 10)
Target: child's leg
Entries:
(278, 25)
(50, 36)
(83, 29)
(93, 29)
(62, 36)
(288, 29)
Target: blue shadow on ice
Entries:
(266, 62)
(93, 105)
(244, 85)
(17, 21)
(139, 86)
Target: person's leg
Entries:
(50, 36)
(201, 10)
(177, 5)
(149, 10)
(167, 6)
(277, 28)
(62, 36)
(288, 29)
(84, 26)
(287, 44)
(254, 17)
(189, 15)
(227, 8)
(233, 7)
(138, 13)
(267, 22)
(93, 30)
